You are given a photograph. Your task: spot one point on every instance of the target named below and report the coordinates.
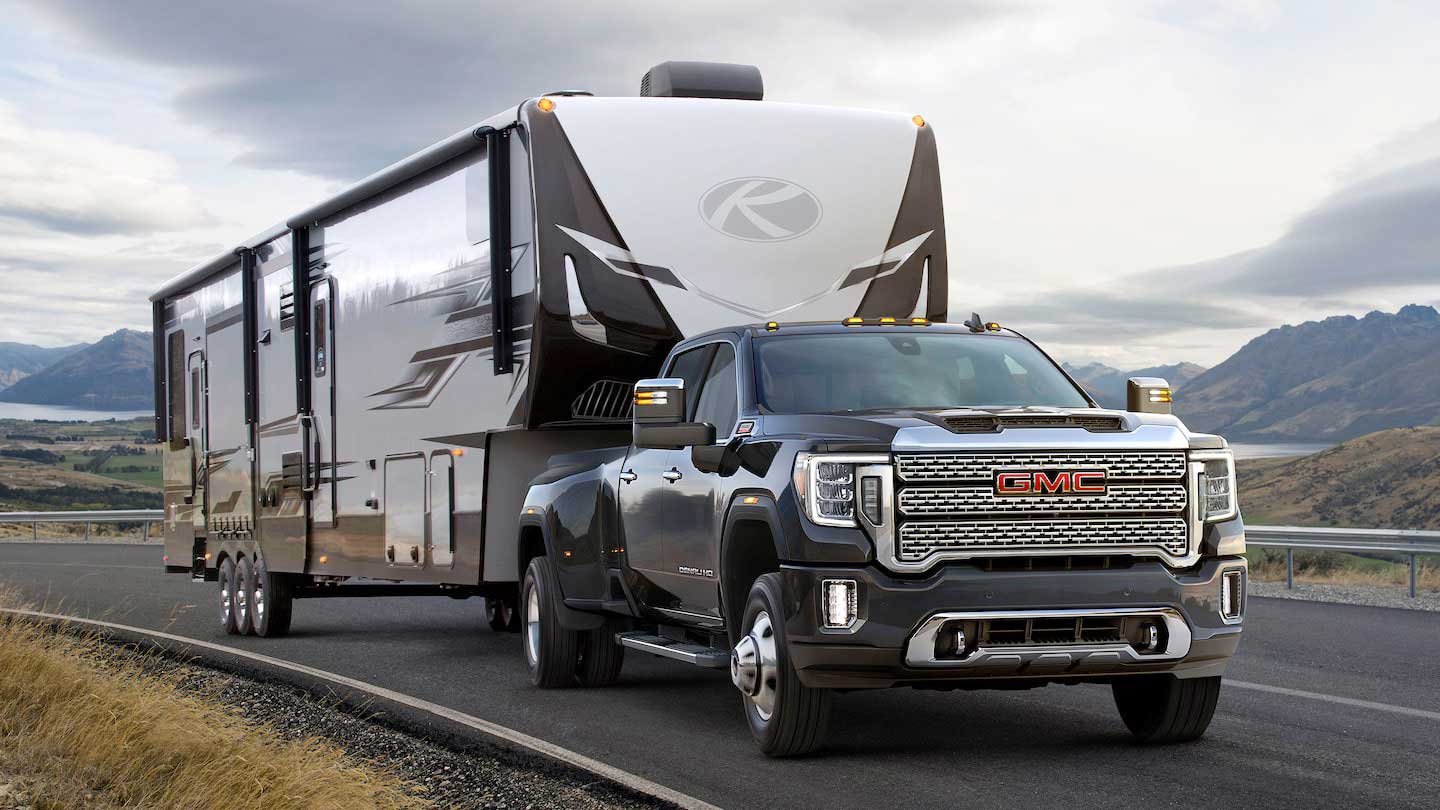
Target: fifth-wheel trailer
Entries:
(346, 412)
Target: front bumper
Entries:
(879, 650)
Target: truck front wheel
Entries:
(552, 653)
(1166, 709)
(786, 717)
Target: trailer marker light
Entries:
(458, 452)
(750, 500)
(919, 120)
(207, 556)
(853, 321)
(324, 559)
(165, 558)
(546, 104)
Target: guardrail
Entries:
(144, 517)
(1390, 541)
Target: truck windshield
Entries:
(866, 371)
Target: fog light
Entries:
(1232, 593)
(839, 603)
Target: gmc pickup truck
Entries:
(889, 502)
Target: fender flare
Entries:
(570, 618)
(765, 510)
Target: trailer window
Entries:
(176, 381)
(718, 403)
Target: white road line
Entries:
(1344, 701)
(517, 738)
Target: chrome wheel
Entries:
(258, 603)
(242, 604)
(532, 626)
(226, 614)
(754, 666)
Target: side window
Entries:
(718, 396)
(689, 366)
(477, 201)
(176, 381)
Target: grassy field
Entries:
(39, 460)
(82, 726)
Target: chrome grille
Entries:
(1119, 498)
(921, 540)
(946, 507)
(979, 467)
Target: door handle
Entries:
(672, 475)
(628, 476)
(307, 426)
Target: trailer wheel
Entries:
(551, 651)
(244, 583)
(227, 596)
(600, 657)
(1166, 709)
(502, 615)
(786, 717)
(270, 600)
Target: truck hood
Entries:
(874, 431)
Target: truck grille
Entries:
(946, 507)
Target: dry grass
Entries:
(97, 731)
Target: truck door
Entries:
(693, 501)
(645, 480)
(199, 445)
(321, 425)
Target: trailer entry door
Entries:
(199, 447)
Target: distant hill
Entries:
(1389, 479)
(116, 373)
(20, 360)
(1107, 384)
(1324, 380)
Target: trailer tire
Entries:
(1164, 709)
(552, 652)
(226, 578)
(601, 658)
(270, 598)
(501, 614)
(786, 717)
(244, 584)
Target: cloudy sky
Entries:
(1130, 182)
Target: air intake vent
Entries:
(287, 307)
(993, 424)
(703, 80)
(605, 400)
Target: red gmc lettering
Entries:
(1050, 482)
(1012, 483)
(1091, 482)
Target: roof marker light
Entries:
(772, 327)
(853, 321)
(919, 321)
(546, 104)
(992, 326)
(918, 119)
(887, 321)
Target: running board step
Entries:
(696, 654)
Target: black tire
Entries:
(270, 599)
(552, 653)
(501, 614)
(226, 578)
(799, 713)
(1164, 709)
(244, 584)
(600, 657)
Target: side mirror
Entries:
(1147, 395)
(659, 421)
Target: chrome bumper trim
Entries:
(1047, 658)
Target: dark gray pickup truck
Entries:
(874, 503)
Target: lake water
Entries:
(60, 413)
(1281, 450)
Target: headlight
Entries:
(827, 488)
(1216, 485)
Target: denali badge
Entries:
(1050, 482)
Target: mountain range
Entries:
(115, 373)
(1326, 380)
(1107, 385)
(20, 360)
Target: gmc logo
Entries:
(1050, 482)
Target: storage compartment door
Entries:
(442, 509)
(405, 510)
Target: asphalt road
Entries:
(682, 727)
